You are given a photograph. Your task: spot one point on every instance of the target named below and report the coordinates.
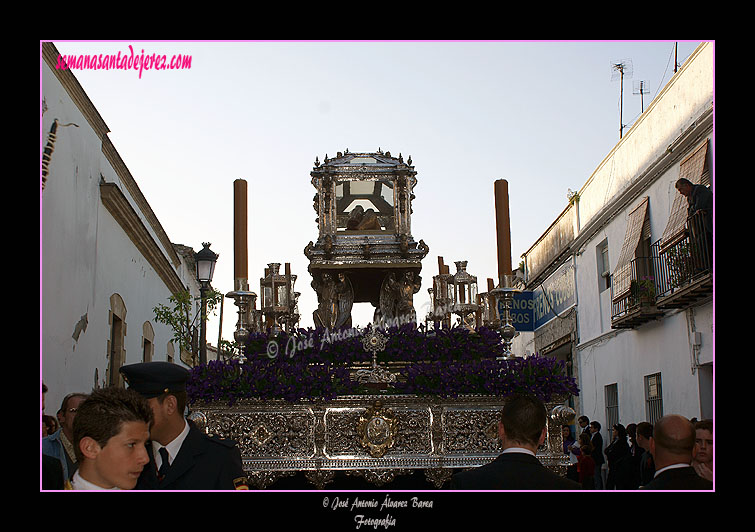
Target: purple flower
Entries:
(445, 363)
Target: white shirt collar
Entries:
(672, 466)
(79, 483)
(173, 447)
(518, 450)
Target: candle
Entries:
(503, 228)
(240, 257)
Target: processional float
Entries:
(365, 252)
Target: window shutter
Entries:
(622, 275)
(695, 169)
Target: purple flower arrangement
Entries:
(314, 364)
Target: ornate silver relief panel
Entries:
(364, 435)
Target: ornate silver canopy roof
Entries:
(365, 246)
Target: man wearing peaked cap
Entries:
(152, 379)
(182, 457)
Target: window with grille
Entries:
(116, 342)
(612, 404)
(653, 398)
(148, 338)
(604, 270)
(147, 351)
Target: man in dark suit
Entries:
(597, 453)
(584, 424)
(673, 448)
(522, 429)
(182, 457)
(646, 466)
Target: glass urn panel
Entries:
(282, 300)
(267, 296)
(364, 205)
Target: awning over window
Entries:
(636, 225)
(693, 168)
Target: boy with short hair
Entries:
(110, 431)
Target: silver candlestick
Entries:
(246, 302)
(504, 296)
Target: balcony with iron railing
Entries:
(684, 266)
(633, 301)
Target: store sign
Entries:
(554, 296)
(531, 310)
(522, 311)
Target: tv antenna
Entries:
(621, 69)
(676, 57)
(641, 89)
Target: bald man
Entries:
(673, 448)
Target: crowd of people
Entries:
(642, 455)
(139, 438)
(675, 454)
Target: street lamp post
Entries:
(205, 261)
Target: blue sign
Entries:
(555, 295)
(522, 315)
(531, 310)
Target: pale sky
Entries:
(541, 115)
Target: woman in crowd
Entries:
(619, 460)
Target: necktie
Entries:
(165, 463)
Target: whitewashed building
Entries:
(629, 306)
(105, 260)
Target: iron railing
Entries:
(641, 288)
(681, 260)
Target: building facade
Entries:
(630, 303)
(105, 260)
